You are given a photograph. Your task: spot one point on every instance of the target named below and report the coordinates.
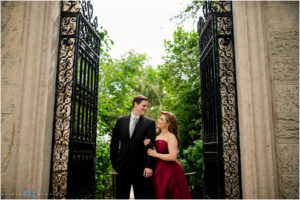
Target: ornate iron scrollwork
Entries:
(75, 117)
(224, 26)
(87, 11)
(219, 99)
(223, 6)
(71, 6)
(68, 25)
(228, 101)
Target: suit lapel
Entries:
(137, 127)
(127, 126)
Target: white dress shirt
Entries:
(131, 124)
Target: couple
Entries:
(147, 160)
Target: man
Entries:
(128, 155)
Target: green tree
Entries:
(120, 81)
(103, 166)
(181, 84)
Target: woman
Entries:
(168, 179)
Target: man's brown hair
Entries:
(139, 99)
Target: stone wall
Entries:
(267, 68)
(29, 31)
(282, 30)
(12, 28)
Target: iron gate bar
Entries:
(82, 40)
(91, 51)
(206, 53)
(90, 27)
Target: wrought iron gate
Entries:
(219, 102)
(75, 118)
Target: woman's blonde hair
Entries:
(173, 127)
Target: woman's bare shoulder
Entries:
(171, 137)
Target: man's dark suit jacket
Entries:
(133, 154)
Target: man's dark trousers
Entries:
(142, 187)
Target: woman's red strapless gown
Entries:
(169, 181)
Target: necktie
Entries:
(132, 125)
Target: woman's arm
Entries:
(172, 147)
(151, 135)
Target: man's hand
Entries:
(148, 172)
(115, 172)
(146, 142)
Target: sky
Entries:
(141, 25)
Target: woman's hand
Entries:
(152, 152)
(115, 172)
(146, 142)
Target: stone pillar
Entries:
(29, 46)
(262, 47)
(258, 161)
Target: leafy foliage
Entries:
(193, 162)
(103, 167)
(191, 11)
(180, 76)
(120, 81)
(193, 155)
